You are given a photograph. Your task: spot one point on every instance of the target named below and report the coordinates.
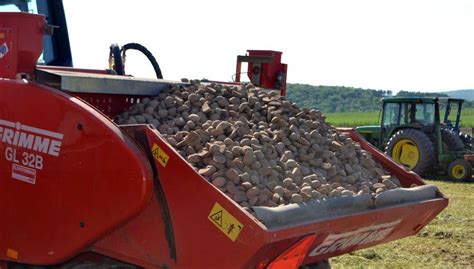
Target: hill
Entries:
(463, 94)
(336, 99)
(331, 99)
(420, 94)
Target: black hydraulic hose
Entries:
(116, 55)
(147, 53)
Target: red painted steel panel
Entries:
(142, 241)
(67, 174)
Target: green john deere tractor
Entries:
(411, 132)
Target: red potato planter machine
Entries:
(78, 190)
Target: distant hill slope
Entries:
(331, 99)
(463, 94)
(420, 94)
(334, 98)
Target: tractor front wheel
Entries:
(451, 140)
(466, 140)
(460, 170)
(412, 149)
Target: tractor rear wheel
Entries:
(460, 170)
(412, 149)
(451, 140)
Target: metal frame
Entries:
(80, 82)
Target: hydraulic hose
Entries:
(115, 57)
(147, 53)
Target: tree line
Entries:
(347, 99)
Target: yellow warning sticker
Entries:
(160, 155)
(225, 222)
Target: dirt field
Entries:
(447, 242)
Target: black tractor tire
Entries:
(460, 170)
(452, 140)
(426, 153)
(466, 140)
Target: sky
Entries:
(422, 45)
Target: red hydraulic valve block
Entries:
(21, 43)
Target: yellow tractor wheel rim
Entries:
(406, 152)
(458, 171)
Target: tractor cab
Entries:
(452, 114)
(401, 113)
(452, 121)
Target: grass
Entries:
(447, 242)
(352, 119)
(467, 118)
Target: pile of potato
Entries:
(257, 147)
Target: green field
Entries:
(352, 119)
(467, 118)
(447, 242)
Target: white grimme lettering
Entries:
(10, 155)
(54, 147)
(41, 144)
(7, 136)
(337, 242)
(15, 137)
(26, 140)
(32, 160)
(376, 236)
(30, 141)
(355, 240)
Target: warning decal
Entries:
(23, 173)
(225, 222)
(160, 155)
(3, 50)
(217, 218)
